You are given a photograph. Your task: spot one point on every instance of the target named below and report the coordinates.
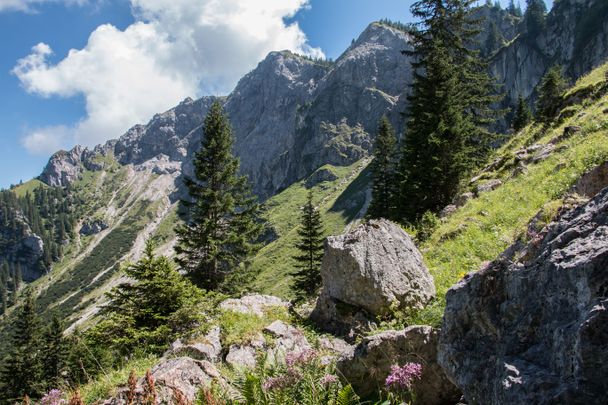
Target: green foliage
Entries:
(151, 310)
(522, 115)
(298, 379)
(514, 10)
(550, 92)
(449, 108)
(21, 372)
(241, 328)
(307, 278)
(223, 226)
(384, 173)
(535, 18)
(54, 352)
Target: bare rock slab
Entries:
(535, 330)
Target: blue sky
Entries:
(132, 58)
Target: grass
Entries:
(107, 384)
(339, 203)
(29, 186)
(239, 328)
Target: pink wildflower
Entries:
(403, 377)
(276, 383)
(301, 357)
(328, 379)
(53, 397)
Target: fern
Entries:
(347, 396)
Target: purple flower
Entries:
(53, 397)
(301, 357)
(403, 377)
(276, 383)
(328, 379)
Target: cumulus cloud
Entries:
(29, 5)
(174, 49)
(47, 140)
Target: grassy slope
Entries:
(487, 225)
(339, 203)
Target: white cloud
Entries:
(174, 49)
(44, 141)
(29, 5)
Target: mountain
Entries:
(298, 123)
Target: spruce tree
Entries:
(551, 89)
(223, 224)
(54, 353)
(383, 167)
(307, 277)
(449, 111)
(534, 18)
(22, 367)
(151, 309)
(522, 116)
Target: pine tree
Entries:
(383, 167)
(54, 353)
(522, 116)
(17, 277)
(551, 89)
(534, 18)
(223, 225)
(149, 311)
(513, 9)
(449, 111)
(22, 368)
(307, 277)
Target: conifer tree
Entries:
(522, 116)
(449, 111)
(223, 225)
(18, 277)
(152, 309)
(534, 17)
(307, 277)
(551, 89)
(54, 353)
(383, 167)
(22, 368)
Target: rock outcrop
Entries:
(372, 269)
(368, 366)
(534, 330)
(254, 304)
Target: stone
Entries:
(448, 210)
(320, 176)
(241, 356)
(488, 186)
(463, 198)
(593, 181)
(89, 228)
(287, 338)
(209, 348)
(534, 330)
(254, 304)
(367, 367)
(543, 153)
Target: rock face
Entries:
(535, 331)
(93, 227)
(209, 348)
(254, 304)
(367, 272)
(368, 366)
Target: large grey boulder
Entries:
(208, 347)
(535, 330)
(368, 366)
(375, 267)
(254, 304)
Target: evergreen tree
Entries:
(383, 167)
(449, 109)
(535, 18)
(223, 225)
(18, 278)
(514, 10)
(152, 309)
(54, 353)
(522, 116)
(307, 278)
(22, 368)
(551, 89)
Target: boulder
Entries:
(534, 330)
(463, 198)
(241, 356)
(488, 186)
(448, 210)
(368, 366)
(208, 348)
(254, 304)
(375, 267)
(593, 181)
(93, 227)
(287, 338)
(320, 176)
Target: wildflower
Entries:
(328, 379)
(276, 383)
(53, 397)
(300, 357)
(403, 377)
